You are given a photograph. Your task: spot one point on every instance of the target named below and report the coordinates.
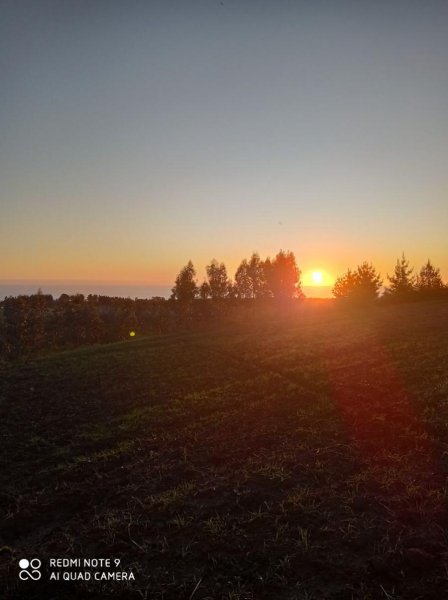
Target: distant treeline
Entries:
(36, 323)
(30, 325)
(363, 285)
(280, 279)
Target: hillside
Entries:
(295, 457)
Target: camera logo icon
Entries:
(30, 569)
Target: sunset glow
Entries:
(185, 130)
(317, 277)
(224, 299)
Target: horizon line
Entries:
(108, 282)
(102, 281)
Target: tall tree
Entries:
(217, 279)
(429, 279)
(402, 282)
(243, 283)
(185, 288)
(255, 270)
(360, 286)
(368, 281)
(250, 279)
(345, 286)
(283, 276)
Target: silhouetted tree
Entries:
(429, 281)
(185, 288)
(359, 286)
(255, 269)
(345, 286)
(250, 279)
(243, 283)
(368, 281)
(217, 279)
(401, 282)
(282, 276)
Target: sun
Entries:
(317, 277)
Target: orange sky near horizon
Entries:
(137, 138)
(137, 270)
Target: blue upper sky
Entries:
(139, 135)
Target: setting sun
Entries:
(317, 281)
(317, 277)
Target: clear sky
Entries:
(138, 135)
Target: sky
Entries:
(139, 135)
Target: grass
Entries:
(302, 456)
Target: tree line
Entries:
(280, 278)
(33, 324)
(30, 325)
(364, 284)
(277, 278)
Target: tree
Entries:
(359, 286)
(429, 279)
(402, 283)
(185, 288)
(255, 271)
(217, 279)
(368, 282)
(250, 279)
(282, 276)
(243, 283)
(345, 285)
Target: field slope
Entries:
(302, 456)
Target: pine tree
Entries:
(402, 282)
(359, 286)
(368, 282)
(345, 285)
(429, 279)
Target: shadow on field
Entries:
(301, 457)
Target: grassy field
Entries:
(302, 456)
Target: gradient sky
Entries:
(139, 135)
